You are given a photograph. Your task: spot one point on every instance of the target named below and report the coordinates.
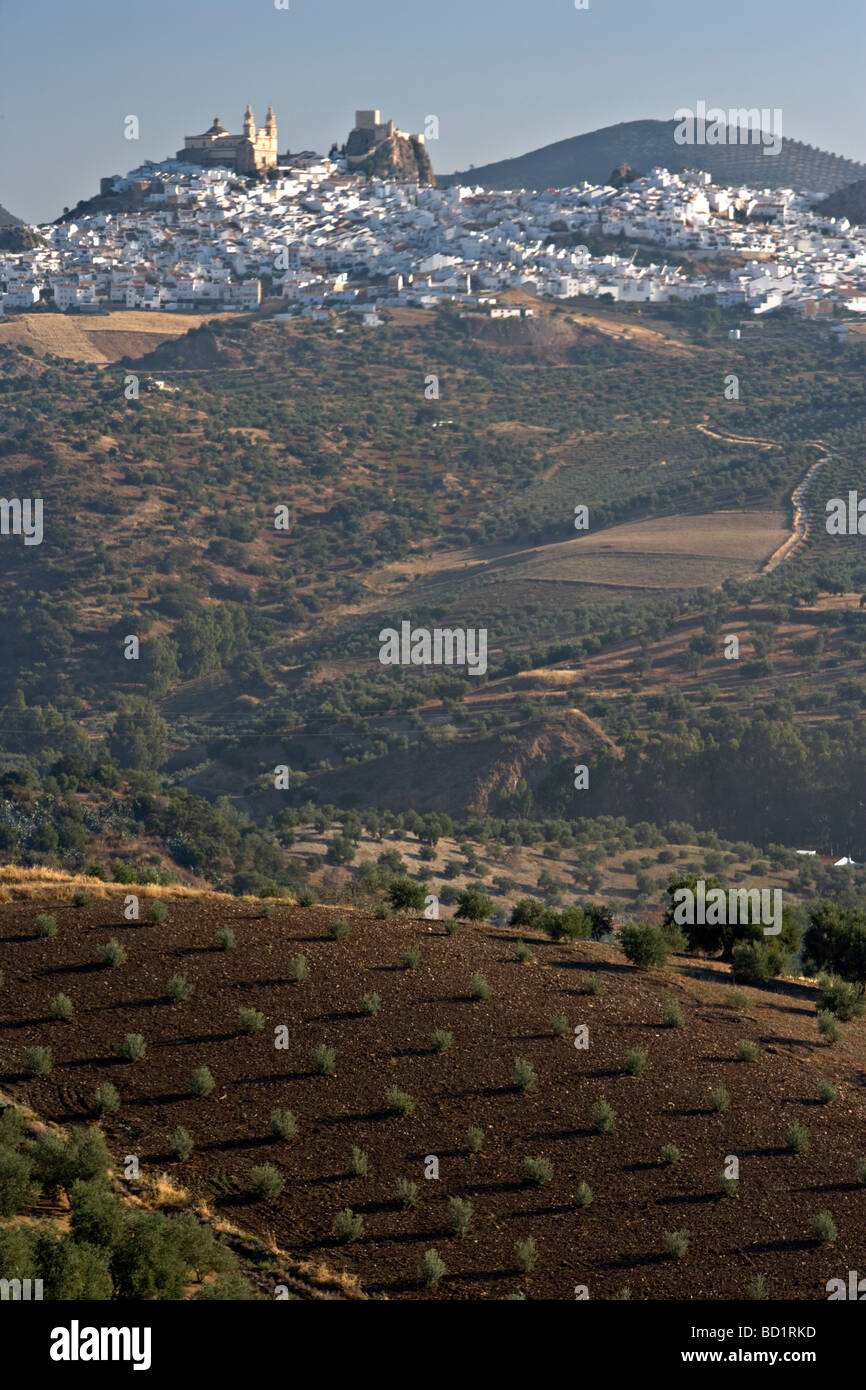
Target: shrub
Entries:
(676, 1243)
(720, 1100)
(324, 1059)
(829, 1027)
(383, 912)
(349, 1225)
(181, 1143)
(432, 1267)
(844, 998)
(603, 1116)
(526, 1255)
(111, 953)
(306, 897)
(673, 1015)
(756, 1289)
(406, 1193)
(226, 939)
(479, 988)
(399, 1102)
(827, 1092)
(473, 905)
(441, 1040)
(71, 1271)
(559, 1025)
(13, 1127)
(759, 961)
(150, 1263)
(251, 1020)
(635, 1061)
(539, 1171)
(178, 988)
(359, 1162)
(644, 945)
(16, 1190)
(283, 1124)
(861, 1171)
(46, 925)
(370, 1004)
(823, 1228)
(61, 1008)
(460, 1215)
(105, 1100)
(81, 898)
(95, 1215)
(728, 1187)
(797, 1138)
(583, 1194)
(37, 1061)
(594, 984)
(522, 953)
(452, 926)
(230, 1287)
(201, 1083)
(405, 894)
(133, 1048)
(298, 969)
(157, 912)
(267, 1182)
(747, 1051)
(268, 911)
(736, 998)
(475, 1139)
(411, 958)
(524, 1076)
(58, 1163)
(670, 1154)
(339, 929)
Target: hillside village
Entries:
(321, 237)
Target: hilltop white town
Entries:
(229, 223)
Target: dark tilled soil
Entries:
(617, 1241)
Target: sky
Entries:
(502, 76)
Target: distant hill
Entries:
(849, 202)
(8, 219)
(643, 144)
(15, 236)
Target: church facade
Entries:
(248, 153)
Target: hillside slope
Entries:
(849, 202)
(616, 1242)
(643, 144)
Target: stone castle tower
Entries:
(246, 154)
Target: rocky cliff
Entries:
(403, 158)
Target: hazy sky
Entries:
(503, 76)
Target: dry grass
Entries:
(161, 1192)
(124, 332)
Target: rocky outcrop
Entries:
(401, 158)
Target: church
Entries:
(246, 154)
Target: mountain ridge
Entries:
(644, 144)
